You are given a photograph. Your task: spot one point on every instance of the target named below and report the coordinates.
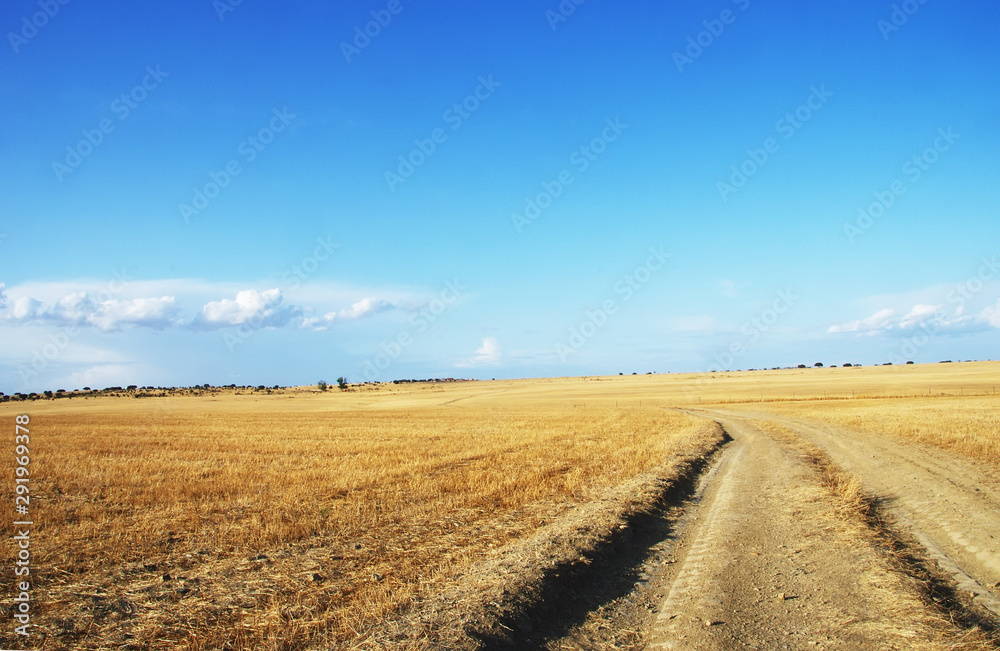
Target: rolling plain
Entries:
(853, 507)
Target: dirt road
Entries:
(950, 504)
(764, 563)
(756, 552)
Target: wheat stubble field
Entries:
(381, 516)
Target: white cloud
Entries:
(876, 323)
(919, 313)
(260, 309)
(991, 315)
(160, 304)
(156, 313)
(932, 317)
(364, 307)
(25, 308)
(80, 309)
(488, 353)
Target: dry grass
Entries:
(286, 521)
(301, 518)
(969, 425)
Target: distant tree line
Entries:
(133, 391)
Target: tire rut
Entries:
(947, 503)
(765, 563)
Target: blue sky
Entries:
(256, 193)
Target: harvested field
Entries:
(968, 425)
(474, 515)
(276, 522)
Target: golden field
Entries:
(288, 520)
(968, 425)
(273, 522)
(952, 406)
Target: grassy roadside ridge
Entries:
(523, 589)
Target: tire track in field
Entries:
(764, 562)
(694, 584)
(947, 503)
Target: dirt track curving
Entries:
(767, 550)
(765, 564)
(950, 504)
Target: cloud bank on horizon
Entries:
(102, 310)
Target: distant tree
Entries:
(818, 364)
(321, 385)
(342, 383)
(909, 362)
(802, 366)
(847, 365)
